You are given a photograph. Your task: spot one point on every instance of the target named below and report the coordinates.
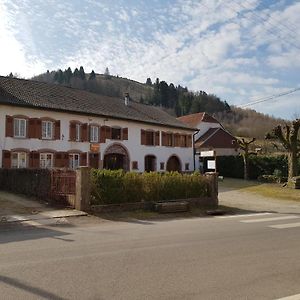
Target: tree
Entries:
(288, 136)
(92, 75)
(81, 73)
(149, 81)
(107, 73)
(244, 145)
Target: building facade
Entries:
(49, 126)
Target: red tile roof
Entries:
(194, 119)
(216, 138)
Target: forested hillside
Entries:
(176, 100)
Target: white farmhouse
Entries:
(51, 126)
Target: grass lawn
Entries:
(271, 190)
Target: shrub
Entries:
(232, 166)
(119, 187)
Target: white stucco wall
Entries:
(204, 126)
(136, 151)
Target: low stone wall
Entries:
(206, 202)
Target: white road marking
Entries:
(269, 219)
(244, 215)
(283, 226)
(293, 297)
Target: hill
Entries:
(176, 100)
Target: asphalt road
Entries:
(199, 258)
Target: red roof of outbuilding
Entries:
(194, 119)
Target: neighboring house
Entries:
(52, 126)
(211, 135)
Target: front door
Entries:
(114, 161)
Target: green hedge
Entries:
(119, 187)
(233, 166)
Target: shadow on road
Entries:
(21, 232)
(28, 288)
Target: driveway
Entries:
(242, 199)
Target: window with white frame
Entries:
(78, 135)
(20, 128)
(47, 130)
(46, 160)
(74, 161)
(19, 160)
(94, 134)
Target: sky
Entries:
(239, 50)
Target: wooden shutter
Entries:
(108, 132)
(6, 159)
(83, 161)
(58, 160)
(125, 133)
(163, 138)
(143, 137)
(157, 136)
(9, 126)
(84, 132)
(31, 128)
(34, 160)
(72, 131)
(189, 140)
(38, 128)
(57, 130)
(177, 140)
(102, 134)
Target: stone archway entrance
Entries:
(173, 164)
(116, 157)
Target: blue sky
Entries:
(238, 50)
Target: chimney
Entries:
(126, 99)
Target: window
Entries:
(20, 128)
(116, 133)
(94, 134)
(46, 160)
(47, 130)
(77, 133)
(74, 161)
(187, 166)
(135, 165)
(149, 138)
(162, 165)
(19, 160)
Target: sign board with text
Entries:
(95, 148)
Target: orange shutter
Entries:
(72, 131)
(83, 159)
(84, 132)
(125, 134)
(143, 137)
(58, 160)
(157, 136)
(9, 128)
(102, 134)
(34, 160)
(6, 159)
(108, 133)
(32, 132)
(189, 140)
(38, 128)
(163, 138)
(57, 130)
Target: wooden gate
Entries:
(63, 186)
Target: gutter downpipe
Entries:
(194, 150)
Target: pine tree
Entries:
(92, 75)
(81, 73)
(107, 73)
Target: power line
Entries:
(288, 41)
(268, 98)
